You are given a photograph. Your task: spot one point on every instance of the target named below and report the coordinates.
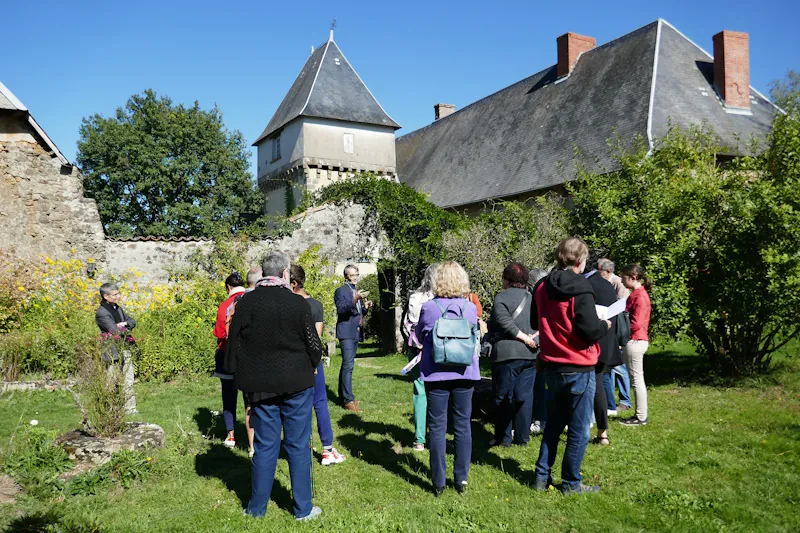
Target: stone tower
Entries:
(328, 126)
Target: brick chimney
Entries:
(570, 45)
(732, 68)
(443, 110)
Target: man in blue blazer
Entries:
(351, 306)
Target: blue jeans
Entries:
(321, 408)
(293, 413)
(230, 396)
(618, 374)
(570, 397)
(439, 393)
(349, 348)
(513, 399)
(539, 398)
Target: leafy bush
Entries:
(321, 283)
(719, 241)
(16, 280)
(510, 231)
(372, 324)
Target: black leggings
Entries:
(600, 400)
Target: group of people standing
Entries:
(548, 349)
(547, 344)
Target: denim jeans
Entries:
(539, 398)
(512, 382)
(570, 397)
(321, 407)
(293, 413)
(349, 348)
(439, 393)
(618, 376)
(230, 396)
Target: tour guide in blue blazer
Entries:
(351, 306)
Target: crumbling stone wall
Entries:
(344, 233)
(42, 207)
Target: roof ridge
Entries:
(362, 82)
(653, 87)
(316, 75)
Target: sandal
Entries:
(603, 441)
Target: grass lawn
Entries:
(714, 457)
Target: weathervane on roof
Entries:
(333, 25)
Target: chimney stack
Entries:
(570, 46)
(732, 68)
(443, 110)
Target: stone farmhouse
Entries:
(518, 142)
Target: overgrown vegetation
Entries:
(720, 241)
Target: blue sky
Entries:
(66, 60)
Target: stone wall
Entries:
(344, 234)
(42, 207)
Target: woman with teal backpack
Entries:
(449, 381)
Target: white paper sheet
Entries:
(411, 364)
(616, 308)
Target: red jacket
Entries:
(222, 314)
(638, 307)
(568, 323)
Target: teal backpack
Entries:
(455, 340)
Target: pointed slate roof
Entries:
(522, 138)
(328, 87)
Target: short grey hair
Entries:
(107, 288)
(605, 265)
(427, 278)
(275, 263)
(534, 275)
(350, 266)
(253, 276)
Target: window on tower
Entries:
(276, 148)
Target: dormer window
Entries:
(276, 148)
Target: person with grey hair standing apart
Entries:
(568, 333)
(351, 306)
(273, 349)
(115, 323)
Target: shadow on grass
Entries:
(483, 454)
(234, 470)
(381, 452)
(668, 367)
(52, 521)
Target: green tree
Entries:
(157, 168)
(719, 241)
(786, 92)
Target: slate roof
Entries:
(10, 102)
(328, 87)
(522, 138)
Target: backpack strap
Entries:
(444, 310)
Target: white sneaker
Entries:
(612, 412)
(537, 427)
(332, 457)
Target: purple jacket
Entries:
(430, 371)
